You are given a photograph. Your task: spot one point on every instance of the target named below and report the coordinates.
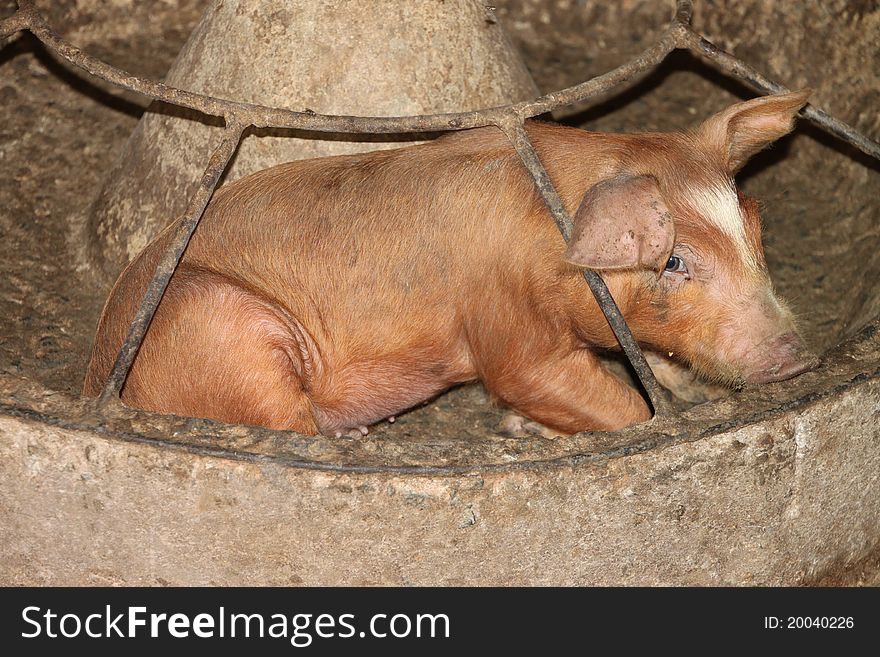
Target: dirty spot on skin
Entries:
(492, 165)
(663, 215)
(661, 308)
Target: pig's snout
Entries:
(785, 357)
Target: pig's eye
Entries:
(675, 265)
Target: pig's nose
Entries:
(786, 358)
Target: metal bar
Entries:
(274, 117)
(169, 261)
(684, 12)
(518, 137)
(734, 67)
(678, 34)
(20, 20)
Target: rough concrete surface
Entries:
(773, 485)
(782, 502)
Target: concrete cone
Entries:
(382, 57)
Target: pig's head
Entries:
(681, 250)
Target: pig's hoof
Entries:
(514, 425)
(353, 433)
(682, 382)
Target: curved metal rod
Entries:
(261, 116)
(20, 20)
(678, 34)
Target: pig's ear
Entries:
(622, 223)
(743, 129)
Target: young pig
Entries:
(325, 295)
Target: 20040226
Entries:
(809, 622)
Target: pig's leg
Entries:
(215, 350)
(568, 392)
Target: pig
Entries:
(325, 295)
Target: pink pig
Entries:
(325, 295)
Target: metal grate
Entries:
(510, 119)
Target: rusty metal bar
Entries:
(20, 20)
(262, 116)
(516, 133)
(677, 35)
(169, 261)
(273, 117)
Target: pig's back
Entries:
(365, 241)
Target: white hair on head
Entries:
(719, 204)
